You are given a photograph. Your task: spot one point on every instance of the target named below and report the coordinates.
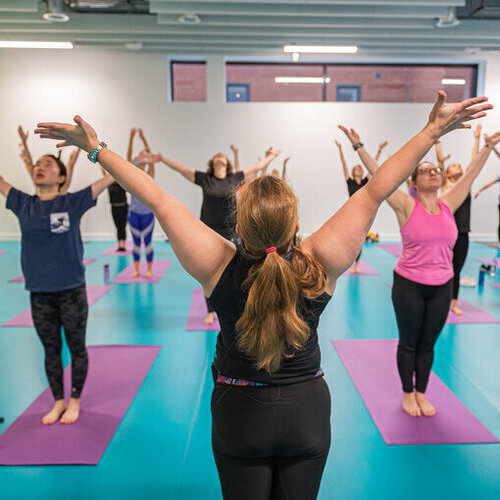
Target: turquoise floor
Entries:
(162, 447)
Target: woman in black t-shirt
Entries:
(355, 181)
(219, 185)
(462, 217)
(270, 404)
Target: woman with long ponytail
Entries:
(270, 405)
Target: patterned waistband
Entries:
(242, 382)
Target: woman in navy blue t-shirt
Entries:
(52, 264)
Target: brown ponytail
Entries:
(270, 326)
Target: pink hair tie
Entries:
(271, 249)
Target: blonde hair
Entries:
(270, 324)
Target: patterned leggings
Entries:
(141, 227)
(69, 309)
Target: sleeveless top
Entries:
(428, 241)
(228, 299)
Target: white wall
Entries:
(117, 90)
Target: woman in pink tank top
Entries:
(422, 289)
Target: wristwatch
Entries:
(92, 156)
(357, 146)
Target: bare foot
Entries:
(53, 416)
(455, 309)
(210, 319)
(427, 409)
(410, 405)
(355, 269)
(72, 413)
(148, 274)
(135, 274)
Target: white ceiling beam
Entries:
(304, 9)
(432, 3)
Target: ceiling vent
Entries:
(448, 21)
(55, 12)
(189, 19)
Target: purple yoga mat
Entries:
(393, 248)
(113, 250)
(371, 364)
(20, 279)
(115, 375)
(472, 314)
(94, 293)
(159, 269)
(197, 313)
(366, 270)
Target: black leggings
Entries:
(459, 255)
(120, 213)
(421, 312)
(271, 442)
(69, 309)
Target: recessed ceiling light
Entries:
(134, 45)
(189, 19)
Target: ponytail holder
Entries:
(271, 249)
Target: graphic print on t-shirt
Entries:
(59, 222)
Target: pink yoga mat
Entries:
(3, 252)
(393, 248)
(94, 293)
(115, 375)
(197, 313)
(496, 286)
(20, 279)
(159, 269)
(472, 315)
(113, 250)
(366, 270)
(371, 364)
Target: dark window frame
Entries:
(474, 66)
(242, 84)
(171, 68)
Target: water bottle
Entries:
(106, 273)
(493, 267)
(483, 269)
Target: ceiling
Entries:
(261, 27)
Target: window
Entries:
(237, 92)
(352, 82)
(188, 81)
(348, 93)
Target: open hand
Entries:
(444, 118)
(144, 157)
(492, 140)
(234, 149)
(352, 135)
(81, 135)
(23, 135)
(383, 145)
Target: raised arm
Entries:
(202, 252)
(380, 149)
(250, 173)
(440, 158)
(130, 149)
(4, 186)
(186, 172)
(402, 203)
(456, 195)
(236, 154)
(477, 140)
(70, 168)
(337, 243)
(25, 151)
(283, 172)
(486, 186)
(342, 161)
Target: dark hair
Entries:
(62, 167)
(210, 170)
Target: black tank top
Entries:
(228, 300)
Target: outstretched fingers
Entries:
(472, 101)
